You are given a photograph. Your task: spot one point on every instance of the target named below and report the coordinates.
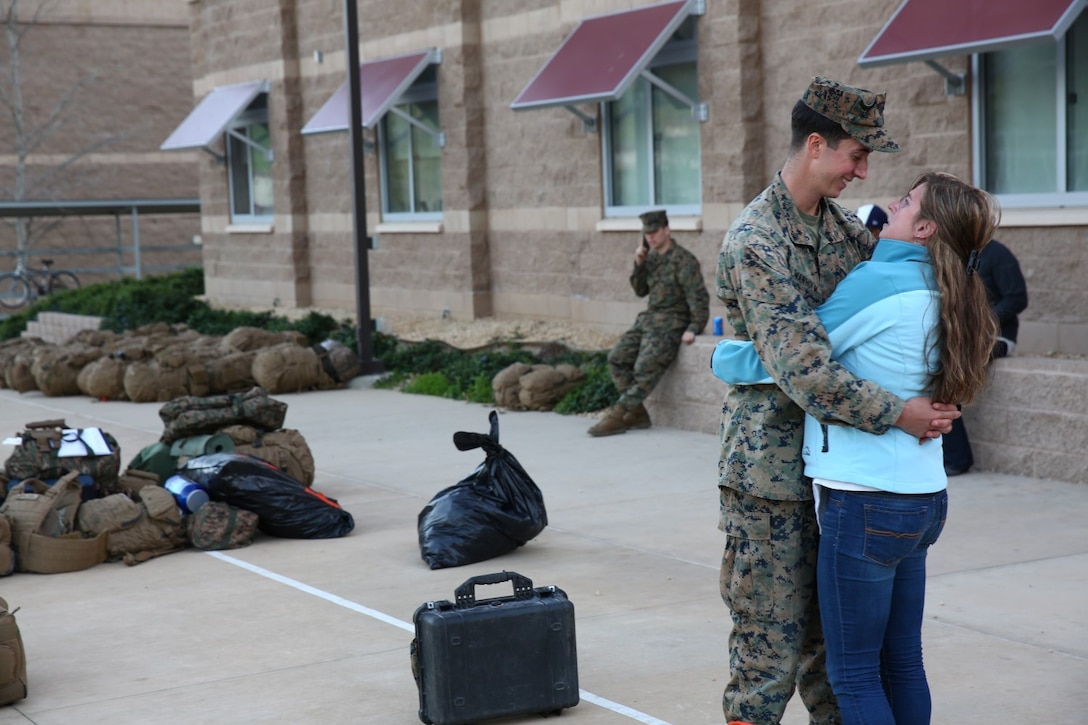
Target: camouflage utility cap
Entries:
(653, 220)
(859, 112)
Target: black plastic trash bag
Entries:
(492, 511)
(284, 506)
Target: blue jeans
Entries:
(871, 579)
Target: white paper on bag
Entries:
(88, 441)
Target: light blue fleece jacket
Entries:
(882, 324)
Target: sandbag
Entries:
(103, 379)
(284, 506)
(544, 386)
(340, 363)
(507, 384)
(287, 368)
(173, 372)
(19, 374)
(102, 339)
(286, 449)
(252, 339)
(148, 381)
(56, 368)
(9, 349)
(231, 373)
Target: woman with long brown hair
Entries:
(914, 319)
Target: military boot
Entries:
(612, 422)
(637, 417)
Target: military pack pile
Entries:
(161, 362)
(68, 505)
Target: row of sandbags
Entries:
(160, 362)
(534, 387)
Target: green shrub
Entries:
(467, 375)
(481, 391)
(594, 393)
(428, 384)
(128, 304)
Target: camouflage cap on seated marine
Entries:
(859, 112)
(653, 220)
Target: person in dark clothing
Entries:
(1008, 293)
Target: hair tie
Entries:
(972, 261)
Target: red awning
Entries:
(927, 29)
(602, 56)
(381, 82)
(212, 116)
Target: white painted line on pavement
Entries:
(621, 709)
(406, 626)
(320, 594)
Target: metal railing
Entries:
(99, 207)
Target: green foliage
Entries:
(432, 367)
(429, 384)
(128, 304)
(481, 391)
(595, 393)
(124, 304)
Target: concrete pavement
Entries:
(289, 631)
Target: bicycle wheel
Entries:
(14, 290)
(60, 281)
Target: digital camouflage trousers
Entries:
(768, 581)
(639, 360)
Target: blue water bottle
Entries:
(189, 496)
(718, 326)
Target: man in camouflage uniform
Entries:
(781, 258)
(677, 311)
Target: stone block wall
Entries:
(1032, 420)
(523, 231)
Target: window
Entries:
(651, 136)
(1033, 105)
(411, 153)
(249, 164)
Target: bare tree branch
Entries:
(25, 139)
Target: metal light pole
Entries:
(364, 325)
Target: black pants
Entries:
(957, 448)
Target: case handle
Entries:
(466, 593)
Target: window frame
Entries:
(675, 52)
(1060, 198)
(255, 115)
(423, 90)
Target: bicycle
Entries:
(24, 284)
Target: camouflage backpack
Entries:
(38, 455)
(192, 415)
(216, 526)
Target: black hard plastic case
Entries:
(480, 659)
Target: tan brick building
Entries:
(484, 210)
(102, 83)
